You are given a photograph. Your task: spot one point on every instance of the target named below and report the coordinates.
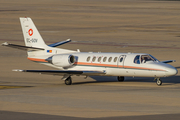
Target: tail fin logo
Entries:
(30, 32)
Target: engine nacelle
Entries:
(62, 60)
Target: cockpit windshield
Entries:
(154, 58)
(144, 59)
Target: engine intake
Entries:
(62, 60)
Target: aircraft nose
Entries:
(171, 71)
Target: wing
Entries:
(21, 47)
(64, 72)
(168, 61)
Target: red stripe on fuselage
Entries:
(95, 64)
(102, 65)
(143, 68)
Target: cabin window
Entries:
(136, 59)
(88, 59)
(94, 58)
(121, 59)
(104, 60)
(115, 59)
(110, 59)
(99, 59)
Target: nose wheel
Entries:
(158, 81)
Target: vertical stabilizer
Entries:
(32, 38)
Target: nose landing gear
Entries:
(158, 81)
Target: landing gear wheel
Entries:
(158, 82)
(120, 78)
(68, 81)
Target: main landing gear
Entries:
(158, 81)
(68, 81)
(120, 78)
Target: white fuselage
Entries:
(118, 64)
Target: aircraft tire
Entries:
(68, 81)
(120, 78)
(159, 82)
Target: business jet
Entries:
(70, 62)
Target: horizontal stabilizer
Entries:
(63, 72)
(21, 47)
(59, 43)
(168, 61)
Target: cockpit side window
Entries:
(136, 59)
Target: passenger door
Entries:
(121, 60)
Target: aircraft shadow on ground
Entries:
(104, 79)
